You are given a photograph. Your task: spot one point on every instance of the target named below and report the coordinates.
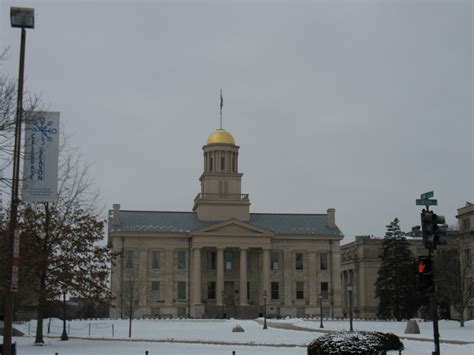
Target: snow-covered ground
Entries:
(172, 337)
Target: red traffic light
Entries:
(424, 265)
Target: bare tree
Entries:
(130, 293)
(455, 286)
(61, 242)
(8, 103)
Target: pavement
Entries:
(290, 326)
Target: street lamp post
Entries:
(23, 18)
(349, 289)
(64, 335)
(321, 310)
(264, 309)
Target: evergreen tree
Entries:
(395, 286)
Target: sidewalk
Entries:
(289, 326)
(177, 341)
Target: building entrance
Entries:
(229, 299)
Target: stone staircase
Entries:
(233, 311)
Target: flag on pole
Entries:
(222, 100)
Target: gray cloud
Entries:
(357, 105)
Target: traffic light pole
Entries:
(434, 230)
(434, 309)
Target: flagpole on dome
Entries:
(221, 104)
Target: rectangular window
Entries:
(467, 257)
(211, 290)
(228, 260)
(222, 163)
(155, 291)
(275, 260)
(181, 290)
(181, 259)
(324, 290)
(275, 294)
(299, 261)
(323, 261)
(211, 260)
(155, 259)
(129, 256)
(466, 223)
(299, 290)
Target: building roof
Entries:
(184, 222)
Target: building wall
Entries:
(465, 243)
(287, 304)
(359, 266)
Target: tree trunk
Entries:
(461, 319)
(130, 317)
(42, 290)
(41, 306)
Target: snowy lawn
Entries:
(147, 334)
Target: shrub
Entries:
(343, 342)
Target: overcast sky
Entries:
(359, 106)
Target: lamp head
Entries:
(23, 17)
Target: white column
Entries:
(220, 276)
(243, 276)
(197, 276)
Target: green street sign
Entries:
(426, 202)
(426, 195)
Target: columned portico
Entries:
(243, 276)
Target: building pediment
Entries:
(232, 227)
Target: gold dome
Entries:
(221, 136)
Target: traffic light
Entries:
(427, 229)
(440, 230)
(434, 229)
(424, 274)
